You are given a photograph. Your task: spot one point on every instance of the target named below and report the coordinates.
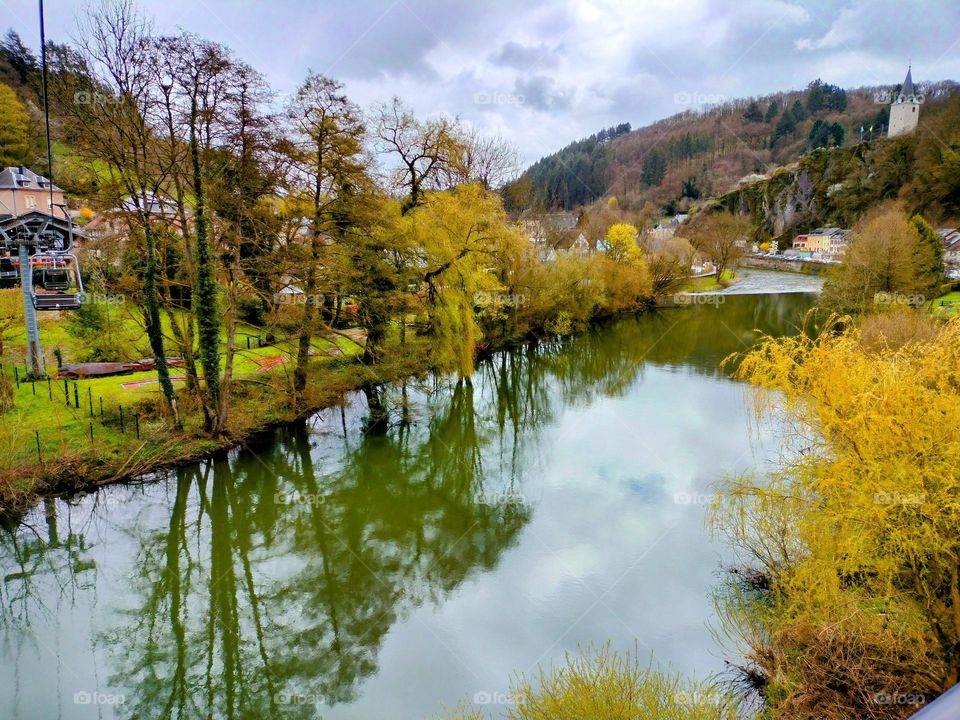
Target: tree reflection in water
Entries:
(266, 580)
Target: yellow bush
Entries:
(857, 531)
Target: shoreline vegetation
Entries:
(86, 444)
(77, 459)
(366, 246)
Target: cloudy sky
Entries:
(545, 72)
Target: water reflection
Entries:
(264, 583)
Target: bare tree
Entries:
(720, 236)
(489, 160)
(428, 151)
(112, 128)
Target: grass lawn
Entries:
(708, 284)
(59, 417)
(946, 305)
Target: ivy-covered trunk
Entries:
(205, 302)
(152, 321)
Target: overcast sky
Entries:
(546, 72)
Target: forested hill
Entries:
(703, 153)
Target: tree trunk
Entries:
(154, 329)
(205, 300)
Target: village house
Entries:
(22, 191)
(827, 243)
(112, 224)
(581, 246)
(951, 248)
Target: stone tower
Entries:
(905, 109)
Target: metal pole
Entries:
(35, 352)
(46, 103)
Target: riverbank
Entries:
(92, 432)
(78, 435)
(478, 496)
(804, 267)
(66, 436)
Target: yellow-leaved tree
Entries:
(460, 233)
(621, 243)
(855, 537)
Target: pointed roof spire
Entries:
(907, 89)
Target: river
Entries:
(326, 572)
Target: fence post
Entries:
(101, 408)
(39, 455)
(33, 386)
(16, 375)
(76, 396)
(90, 399)
(136, 420)
(66, 391)
(91, 433)
(50, 388)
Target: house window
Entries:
(31, 202)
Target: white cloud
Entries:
(579, 65)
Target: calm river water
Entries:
(327, 573)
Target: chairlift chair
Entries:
(59, 273)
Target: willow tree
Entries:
(458, 233)
(854, 536)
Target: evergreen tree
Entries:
(654, 168)
(798, 112)
(753, 113)
(935, 243)
(16, 60)
(773, 109)
(785, 127)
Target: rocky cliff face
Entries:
(824, 188)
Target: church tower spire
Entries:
(905, 108)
